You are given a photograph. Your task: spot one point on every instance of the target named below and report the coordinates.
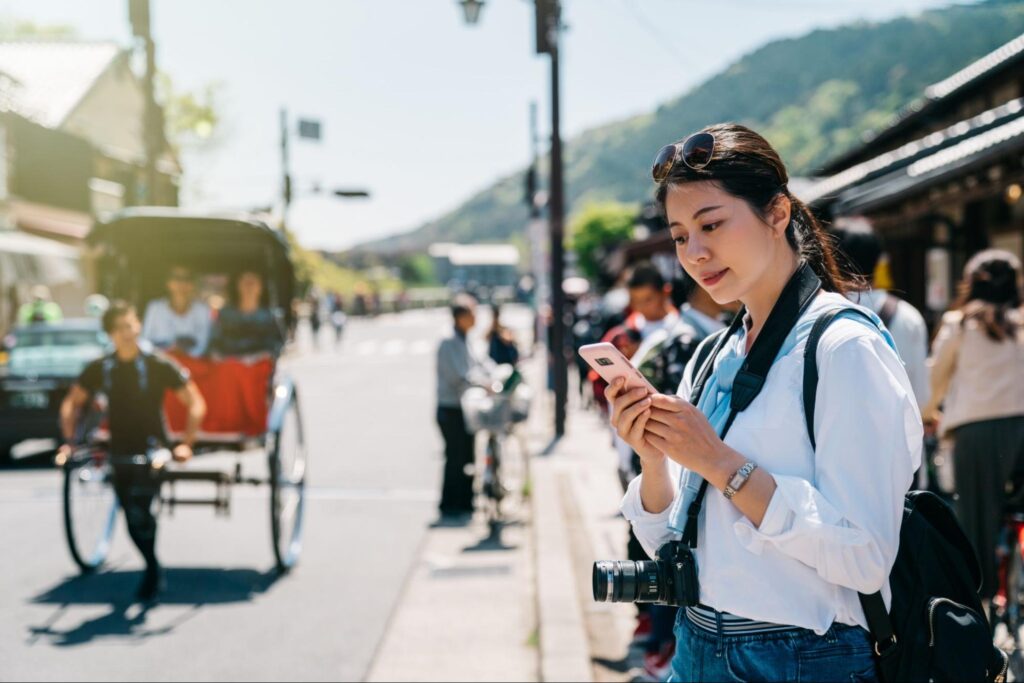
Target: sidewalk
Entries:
(519, 607)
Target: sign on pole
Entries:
(309, 129)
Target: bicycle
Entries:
(1008, 604)
(494, 415)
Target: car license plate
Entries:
(30, 400)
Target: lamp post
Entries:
(471, 10)
(548, 25)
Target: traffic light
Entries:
(531, 185)
(548, 16)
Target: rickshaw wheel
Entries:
(287, 454)
(90, 508)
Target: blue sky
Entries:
(417, 107)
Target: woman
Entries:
(978, 372)
(246, 326)
(803, 530)
(501, 345)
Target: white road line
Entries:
(421, 347)
(365, 348)
(393, 347)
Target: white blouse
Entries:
(832, 527)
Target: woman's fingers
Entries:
(624, 401)
(670, 403)
(664, 416)
(611, 392)
(636, 433)
(628, 416)
(659, 428)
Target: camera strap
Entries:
(796, 296)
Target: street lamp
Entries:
(471, 10)
(549, 26)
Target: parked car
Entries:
(39, 364)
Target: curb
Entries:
(564, 647)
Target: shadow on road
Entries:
(193, 587)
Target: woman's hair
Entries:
(989, 290)
(746, 166)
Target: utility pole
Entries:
(152, 124)
(286, 177)
(549, 27)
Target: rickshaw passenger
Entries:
(134, 382)
(179, 322)
(247, 326)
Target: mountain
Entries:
(813, 97)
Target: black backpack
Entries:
(936, 629)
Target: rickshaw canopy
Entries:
(138, 246)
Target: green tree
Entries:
(417, 270)
(598, 228)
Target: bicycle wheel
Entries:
(90, 509)
(493, 489)
(287, 454)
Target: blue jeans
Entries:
(844, 653)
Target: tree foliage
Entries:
(598, 228)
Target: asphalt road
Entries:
(375, 464)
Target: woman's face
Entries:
(250, 287)
(720, 242)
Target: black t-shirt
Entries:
(135, 407)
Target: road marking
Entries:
(421, 347)
(365, 348)
(393, 347)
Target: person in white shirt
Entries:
(179, 322)
(803, 530)
(863, 251)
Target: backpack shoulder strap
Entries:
(879, 622)
(811, 362)
(888, 310)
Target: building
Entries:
(72, 128)
(71, 150)
(942, 181)
(469, 266)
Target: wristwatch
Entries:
(739, 479)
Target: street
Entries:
(375, 462)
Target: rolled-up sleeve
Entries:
(651, 529)
(868, 430)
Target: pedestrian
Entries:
(315, 319)
(863, 251)
(338, 317)
(501, 344)
(788, 534)
(458, 368)
(41, 309)
(134, 382)
(977, 366)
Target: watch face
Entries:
(736, 480)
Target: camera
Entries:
(671, 579)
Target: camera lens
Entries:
(626, 581)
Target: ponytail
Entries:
(816, 247)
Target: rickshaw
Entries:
(252, 407)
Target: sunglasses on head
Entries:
(696, 152)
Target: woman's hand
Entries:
(630, 414)
(680, 431)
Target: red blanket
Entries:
(236, 393)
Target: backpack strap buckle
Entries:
(888, 648)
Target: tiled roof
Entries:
(908, 152)
(52, 77)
